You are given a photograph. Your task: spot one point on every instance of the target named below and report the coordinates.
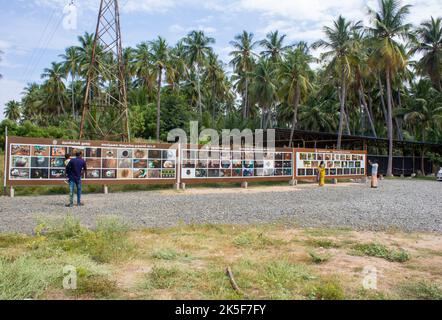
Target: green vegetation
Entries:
(381, 251)
(189, 262)
(367, 84)
(319, 258)
(421, 290)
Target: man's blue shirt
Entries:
(75, 169)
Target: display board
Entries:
(40, 161)
(34, 161)
(245, 164)
(338, 164)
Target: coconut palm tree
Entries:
(339, 43)
(144, 69)
(295, 75)
(243, 63)
(430, 45)
(423, 112)
(389, 26)
(71, 66)
(54, 86)
(263, 88)
(214, 77)
(273, 46)
(160, 59)
(12, 110)
(197, 48)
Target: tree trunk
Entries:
(364, 103)
(200, 108)
(342, 110)
(246, 102)
(73, 97)
(295, 112)
(160, 73)
(381, 91)
(389, 124)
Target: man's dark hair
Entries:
(78, 154)
(67, 156)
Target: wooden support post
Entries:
(293, 182)
(105, 189)
(176, 186)
(183, 186)
(11, 192)
(244, 185)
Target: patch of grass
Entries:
(109, 242)
(420, 290)
(97, 286)
(162, 277)
(382, 251)
(25, 278)
(255, 240)
(322, 243)
(165, 254)
(329, 289)
(319, 258)
(10, 240)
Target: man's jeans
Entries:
(72, 185)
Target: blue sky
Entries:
(32, 33)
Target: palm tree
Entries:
(273, 46)
(243, 62)
(388, 26)
(144, 69)
(340, 45)
(430, 45)
(423, 112)
(214, 77)
(12, 110)
(160, 58)
(263, 88)
(295, 74)
(54, 86)
(71, 65)
(197, 48)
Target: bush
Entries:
(381, 251)
(25, 278)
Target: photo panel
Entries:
(168, 173)
(93, 163)
(39, 162)
(110, 163)
(93, 174)
(125, 153)
(17, 174)
(57, 162)
(140, 153)
(58, 151)
(140, 163)
(20, 162)
(124, 174)
(109, 153)
(57, 174)
(20, 150)
(39, 173)
(93, 152)
(41, 151)
(140, 173)
(109, 173)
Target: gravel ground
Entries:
(398, 204)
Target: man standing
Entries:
(74, 171)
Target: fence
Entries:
(35, 161)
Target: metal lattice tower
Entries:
(105, 110)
